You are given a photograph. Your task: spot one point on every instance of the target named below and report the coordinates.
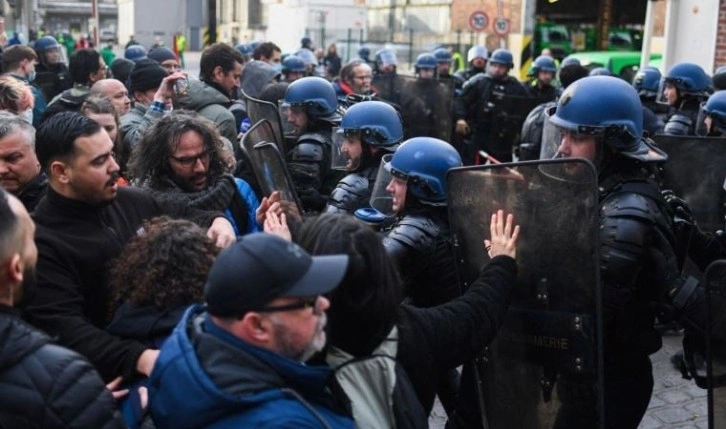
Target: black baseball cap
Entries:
(260, 268)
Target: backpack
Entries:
(381, 394)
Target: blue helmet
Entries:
(719, 78)
(689, 78)
(715, 107)
(378, 123)
(647, 81)
(570, 61)
(423, 163)
(477, 51)
(307, 56)
(45, 43)
(606, 107)
(293, 63)
(364, 52)
(135, 53)
(315, 95)
(502, 56)
(386, 57)
(306, 41)
(543, 63)
(425, 61)
(244, 49)
(442, 55)
(600, 71)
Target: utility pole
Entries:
(94, 23)
(212, 21)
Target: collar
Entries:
(346, 89)
(218, 87)
(70, 208)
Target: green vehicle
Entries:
(555, 37)
(621, 63)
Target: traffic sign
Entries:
(501, 26)
(478, 21)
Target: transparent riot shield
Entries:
(381, 200)
(269, 165)
(259, 110)
(715, 281)
(695, 171)
(544, 369)
(388, 87)
(426, 107)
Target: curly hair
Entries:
(166, 267)
(149, 163)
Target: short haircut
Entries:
(8, 227)
(98, 105)
(56, 136)
(266, 50)
(15, 95)
(218, 55)
(348, 70)
(10, 124)
(14, 55)
(83, 62)
(571, 73)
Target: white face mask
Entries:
(27, 116)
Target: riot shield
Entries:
(259, 110)
(388, 87)
(269, 166)
(695, 171)
(426, 107)
(715, 281)
(544, 369)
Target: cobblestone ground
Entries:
(676, 403)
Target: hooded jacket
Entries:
(207, 378)
(212, 104)
(255, 76)
(47, 386)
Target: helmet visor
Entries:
(347, 150)
(294, 119)
(381, 199)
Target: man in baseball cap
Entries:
(238, 362)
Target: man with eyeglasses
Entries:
(165, 57)
(178, 160)
(239, 361)
(83, 222)
(355, 79)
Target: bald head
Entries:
(18, 253)
(115, 91)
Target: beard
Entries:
(289, 349)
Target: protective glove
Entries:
(462, 127)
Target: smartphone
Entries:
(181, 86)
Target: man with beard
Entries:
(20, 172)
(369, 129)
(83, 222)
(40, 381)
(178, 160)
(239, 361)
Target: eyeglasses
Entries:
(313, 303)
(366, 77)
(188, 161)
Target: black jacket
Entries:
(43, 385)
(76, 241)
(434, 340)
(33, 192)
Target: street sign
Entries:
(478, 21)
(501, 26)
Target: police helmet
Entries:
(364, 52)
(315, 95)
(442, 55)
(689, 78)
(423, 163)
(386, 57)
(715, 107)
(135, 53)
(568, 61)
(477, 51)
(608, 108)
(426, 62)
(244, 49)
(45, 43)
(543, 63)
(646, 81)
(293, 63)
(719, 78)
(307, 56)
(377, 123)
(502, 56)
(306, 41)
(600, 71)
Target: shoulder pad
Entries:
(679, 125)
(418, 232)
(475, 79)
(629, 204)
(348, 194)
(315, 137)
(308, 151)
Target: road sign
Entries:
(478, 21)
(501, 26)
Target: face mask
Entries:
(277, 67)
(27, 116)
(32, 76)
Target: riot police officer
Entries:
(476, 58)
(647, 82)
(135, 53)
(601, 120)
(52, 75)
(293, 68)
(485, 108)
(386, 62)
(684, 88)
(714, 114)
(426, 66)
(542, 76)
(369, 130)
(310, 108)
(426, 102)
(443, 63)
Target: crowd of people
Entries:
(155, 271)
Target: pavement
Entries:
(676, 403)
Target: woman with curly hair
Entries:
(157, 276)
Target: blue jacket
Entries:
(249, 197)
(207, 378)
